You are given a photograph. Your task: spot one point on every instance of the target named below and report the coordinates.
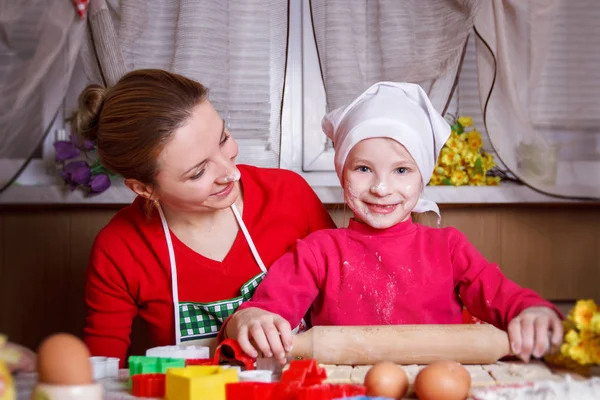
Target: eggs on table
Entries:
(64, 359)
(441, 380)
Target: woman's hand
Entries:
(260, 330)
(535, 332)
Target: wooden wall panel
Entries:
(33, 299)
(553, 250)
(84, 226)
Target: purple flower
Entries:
(99, 183)
(65, 150)
(81, 143)
(76, 173)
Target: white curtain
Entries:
(361, 42)
(539, 84)
(39, 43)
(237, 48)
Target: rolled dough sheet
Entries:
(516, 372)
(337, 373)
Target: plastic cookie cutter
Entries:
(104, 367)
(331, 392)
(181, 351)
(250, 391)
(307, 372)
(301, 374)
(198, 382)
(230, 352)
(152, 365)
(148, 385)
(256, 375)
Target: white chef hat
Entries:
(399, 111)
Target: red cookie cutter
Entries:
(148, 385)
(230, 352)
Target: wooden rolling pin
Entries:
(401, 344)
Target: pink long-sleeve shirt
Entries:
(406, 274)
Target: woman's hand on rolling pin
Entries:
(534, 332)
(259, 330)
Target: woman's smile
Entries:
(225, 191)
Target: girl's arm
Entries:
(534, 325)
(279, 303)
(483, 288)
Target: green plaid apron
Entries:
(204, 320)
(195, 321)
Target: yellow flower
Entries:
(459, 178)
(462, 137)
(465, 121)
(492, 180)
(455, 144)
(572, 337)
(474, 139)
(582, 313)
(449, 157)
(587, 351)
(477, 180)
(595, 323)
(488, 161)
(469, 157)
(440, 171)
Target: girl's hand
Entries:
(259, 330)
(535, 332)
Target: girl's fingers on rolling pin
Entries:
(243, 339)
(274, 339)
(542, 342)
(514, 334)
(527, 338)
(285, 330)
(557, 332)
(258, 335)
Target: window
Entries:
(313, 154)
(566, 104)
(564, 108)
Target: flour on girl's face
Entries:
(380, 189)
(382, 182)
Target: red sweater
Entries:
(407, 274)
(129, 270)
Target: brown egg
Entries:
(443, 380)
(386, 379)
(64, 359)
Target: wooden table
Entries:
(486, 380)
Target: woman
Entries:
(201, 233)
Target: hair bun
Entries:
(84, 121)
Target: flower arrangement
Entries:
(462, 160)
(77, 172)
(581, 345)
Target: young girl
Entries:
(385, 269)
